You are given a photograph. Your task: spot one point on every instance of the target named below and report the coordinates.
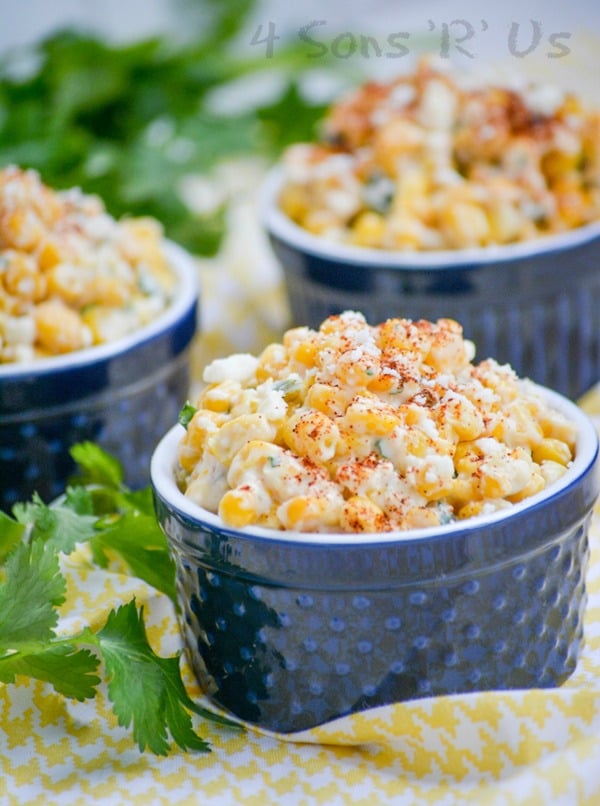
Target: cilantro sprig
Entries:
(146, 690)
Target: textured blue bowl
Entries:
(534, 305)
(289, 630)
(122, 395)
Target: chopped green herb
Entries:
(445, 513)
(379, 448)
(186, 414)
(289, 385)
(378, 193)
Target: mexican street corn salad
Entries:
(71, 276)
(432, 161)
(363, 428)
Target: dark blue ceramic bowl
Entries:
(289, 630)
(122, 395)
(534, 305)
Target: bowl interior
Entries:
(280, 225)
(185, 295)
(162, 473)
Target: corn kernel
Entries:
(462, 491)
(59, 329)
(21, 277)
(220, 397)
(432, 486)
(558, 427)
(382, 383)
(535, 485)
(294, 201)
(306, 513)
(395, 139)
(572, 205)
(236, 509)
(551, 471)
(505, 222)
(251, 457)
(49, 254)
(420, 518)
(234, 433)
(306, 352)
(497, 485)
(360, 514)
(460, 419)
(312, 434)
(331, 400)
(272, 362)
(556, 164)
(553, 450)
(519, 427)
(467, 457)
(368, 229)
(365, 420)
(465, 224)
(201, 426)
(470, 510)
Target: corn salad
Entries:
(360, 428)
(71, 276)
(429, 162)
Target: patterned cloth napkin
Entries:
(523, 747)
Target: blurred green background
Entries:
(129, 115)
(128, 121)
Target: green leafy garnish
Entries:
(97, 466)
(125, 526)
(185, 415)
(11, 534)
(138, 676)
(118, 524)
(65, 524)
(288, 386)
(34, 586)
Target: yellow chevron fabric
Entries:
(534, 747)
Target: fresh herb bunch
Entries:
(146, 690)
(127, 122)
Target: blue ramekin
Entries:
(288, 631)
(122, 395)
(534, 305)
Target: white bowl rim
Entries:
(281, 226)
(162, 477)
(186, 293)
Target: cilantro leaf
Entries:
(11, 534)
(137, 538)
(97, 466)
(60, 523)
(70, 671)
(288, 386)
(145, 689)
(186, 414)
(33, 588)
(140, 500)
